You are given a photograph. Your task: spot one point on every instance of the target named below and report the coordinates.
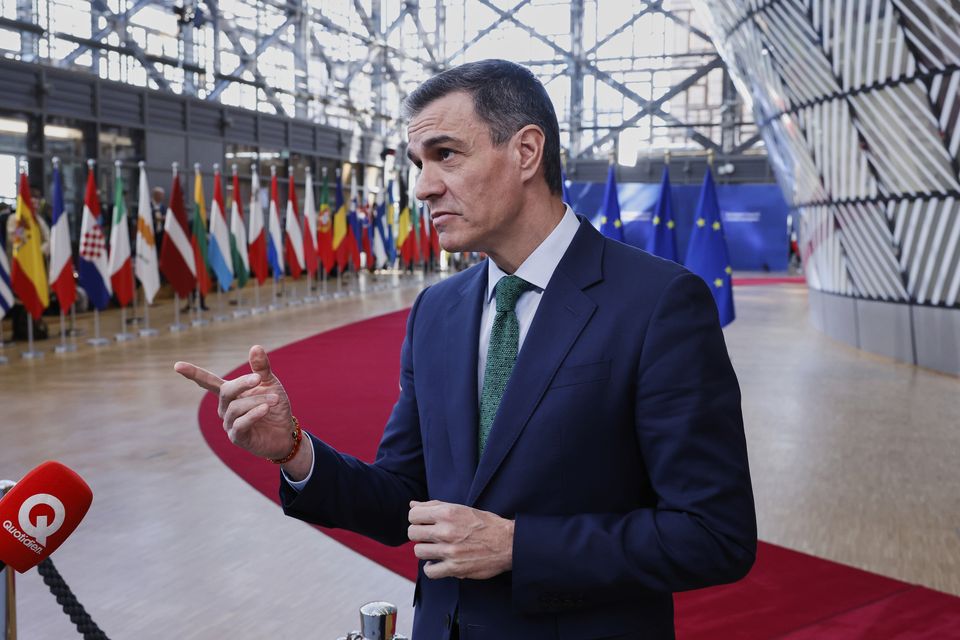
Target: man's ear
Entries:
(529, 141)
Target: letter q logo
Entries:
(42, 529)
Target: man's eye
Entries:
(445, 153)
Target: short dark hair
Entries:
(507, 97)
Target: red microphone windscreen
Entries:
(39, 513)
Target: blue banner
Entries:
(754, 218)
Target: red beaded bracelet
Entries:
(297, 439)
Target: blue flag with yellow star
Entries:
(610, 224)
(707, 254)
(663, 240)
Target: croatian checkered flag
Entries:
(93, 265)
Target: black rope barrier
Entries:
(66, 599)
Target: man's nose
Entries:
(429, 184)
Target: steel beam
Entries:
(653, 108)
(489, 28)
(747, 144)
(188, 49)
(101, 7)
(230, 30)
(248, 59)
(576, 73)
(29, 42)
(647, 107)
(71, 57)
(670, 15)
(301, 47)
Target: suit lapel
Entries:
(462, 336)
(563, 312)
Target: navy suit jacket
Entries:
(618, 449)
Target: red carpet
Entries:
(342, 384)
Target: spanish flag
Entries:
(29, 272)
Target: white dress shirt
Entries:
(537, 269)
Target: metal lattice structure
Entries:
(858, 105)
(636, 77)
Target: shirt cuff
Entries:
(298, 486)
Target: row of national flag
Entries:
(707, 253)
(104, 269)
(203, 250)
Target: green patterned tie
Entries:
(501, 353)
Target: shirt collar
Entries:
(539, 266)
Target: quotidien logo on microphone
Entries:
(33, 535)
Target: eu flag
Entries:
(663, 240)
(566, 192)
(707, 254)
(610, 224)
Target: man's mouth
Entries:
(440, 216)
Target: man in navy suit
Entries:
(567, 449)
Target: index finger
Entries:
(206, 379)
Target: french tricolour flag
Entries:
(61, 255)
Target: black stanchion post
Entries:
(8, 592)
(8, 614)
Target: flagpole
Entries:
(221, 314)
(323, 268)
(64, 346)
(239, 312)
(177, 325)
(273, 306)
(257, 309)
(293, 300)
(268, 222)
(305, 225)
(3, 358)
(147, 331)
(30, 353)
(123, 335)
(198, 319)
(97, 340)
